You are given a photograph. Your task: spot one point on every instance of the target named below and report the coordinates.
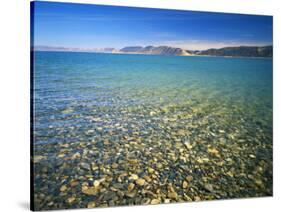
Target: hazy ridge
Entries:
(240, 51)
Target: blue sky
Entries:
(94, 26)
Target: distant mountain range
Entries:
(241, 51)
(163, 50)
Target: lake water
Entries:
(205, 117)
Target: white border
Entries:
(14, 116)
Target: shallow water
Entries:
(205, 117)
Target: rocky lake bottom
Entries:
(153, 157)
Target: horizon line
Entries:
(143, 46)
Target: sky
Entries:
(96, 26)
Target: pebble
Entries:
(184, 184)
(229, 173)
(63, 188)
(106, 142)
(172, 195)
(150, 170)
(96, 183)
(213, 151)
(71, 200)
(90, 131)
(61, 155)
(91, 204)
(94, 167)
(189, 178)
(259, 182)
(130, 194)
(118, 186)
(147, 178)
(167, 201)
(152, 113)
(140, 182)
(90, 190)
(99, 129)
(64, 145)
(74, 183)
(202, 160)
(165, 110)
(114, 165)
(155, 201)
(133, 177)
(209, 187)
(85, 166)
(76, 156)
(188, 145)
(197, 198)
(181, 133)
(131, 186)
(38, 158)
(96, 119)
(159, 166)
(67, 111)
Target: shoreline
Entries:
(135, 53)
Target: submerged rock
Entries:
(173, 195)
(133, 177)
(184, 184)
(74, 183)
(150, 170)
(131, 186)
(126, 158)
(130, 194)
(96, 183)
(213, 151)
(85, 166)
(140, 182)
(188, 145)
(63, 188)
(89, 190)
(91, 204)
(38, 158)
(70, 200)
(76, 155)
(252, 156)
(155, 201)
(67, 111)
(209, 187)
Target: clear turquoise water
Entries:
(202, 122)
(88, 83)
